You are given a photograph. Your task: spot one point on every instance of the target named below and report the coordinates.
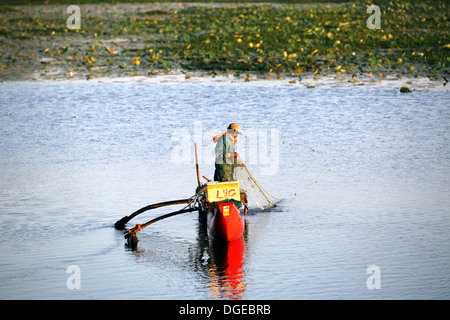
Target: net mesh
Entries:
(253, 189)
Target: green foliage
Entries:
(295, 39)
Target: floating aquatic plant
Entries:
(413, 38)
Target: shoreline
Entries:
(308, 81)
(150, 39)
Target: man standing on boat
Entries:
(226, 156)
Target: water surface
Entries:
(363, 171)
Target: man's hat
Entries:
(235, 127)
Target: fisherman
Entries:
(227, 158)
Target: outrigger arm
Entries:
(193, 205)
(139, 227)
(120, 224)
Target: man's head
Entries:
(234, 129)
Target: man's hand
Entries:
(234, 155)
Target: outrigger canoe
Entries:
(218, 205)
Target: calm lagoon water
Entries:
(363, 171)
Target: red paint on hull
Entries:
(225, 222)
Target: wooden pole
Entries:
(201, 215)
(196, 164)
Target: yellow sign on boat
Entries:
(219, 191)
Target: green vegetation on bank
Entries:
(79, 2)
(413, 38)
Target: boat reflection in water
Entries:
(226, 270)
(222, 263)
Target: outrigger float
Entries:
(216, 202)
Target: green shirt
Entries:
(225, 165)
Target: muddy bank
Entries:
(246, 42)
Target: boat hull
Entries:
(224, 222)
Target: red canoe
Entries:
(225, 222)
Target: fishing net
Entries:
(253, 189)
